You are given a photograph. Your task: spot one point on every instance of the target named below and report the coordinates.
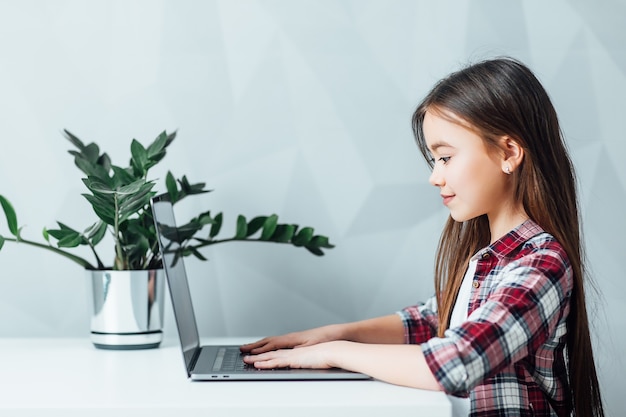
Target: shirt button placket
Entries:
(476, 283)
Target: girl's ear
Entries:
(513, 154)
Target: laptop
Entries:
(212, 363)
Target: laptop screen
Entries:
(176, 275)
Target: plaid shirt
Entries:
(509, 356)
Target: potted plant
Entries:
(128, 292)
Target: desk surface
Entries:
(69, 377)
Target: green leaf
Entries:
(269, 227)
(66, 236)
(105, 162)
(216, 226)
(87, 158)
(255, 225)
(91, 152)
(75, 141)
(137, 227)
(318, 242)
(170, 138)
(172, 188)
(284, 233)
(95, 185)
(303, 237)
(139, 157)
(122, 176)
(63, 232)
(314, 250)
(91, 169)
(242, 227)
(205, 218)
(9, 212)
(132, 188)
(57, 234)
(132, 203)
(131, 210)
(135, 248)
(63, 226)
(196, 253)
(1, 241)
(105, 212)
(170, 233)
(198, 188)
(187, 231)
(321, 242)
(156, 150)
(106, 201)
(102, 203)
(96, 232)
(190, 189)
(185, 186)
(87, 167)
(70, 241)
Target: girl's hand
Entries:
(310, 357)
(293, 340)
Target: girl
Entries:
(506, 333)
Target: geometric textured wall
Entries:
(300, 109)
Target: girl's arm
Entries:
(383, 330)
(397, 364)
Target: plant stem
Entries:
(154, 250)
(119, 262)
(231, 239)
(93, 249)
(82, 262)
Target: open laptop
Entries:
(212, 363)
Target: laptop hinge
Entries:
(194, 359)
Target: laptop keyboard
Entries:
(230, 359)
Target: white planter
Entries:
(127, 308)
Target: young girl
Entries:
(506, 333)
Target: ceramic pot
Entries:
(127, 308)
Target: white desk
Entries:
(69, 377)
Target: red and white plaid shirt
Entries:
(510, 355)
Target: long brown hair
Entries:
(502, 97)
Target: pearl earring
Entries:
(507, 170)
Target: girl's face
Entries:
(471, 178)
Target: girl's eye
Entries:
(443, 159)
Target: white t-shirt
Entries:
(461, 406)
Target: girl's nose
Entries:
(436, 178)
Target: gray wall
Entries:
(299, 108)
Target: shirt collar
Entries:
(511, 241)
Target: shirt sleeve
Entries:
(420, 321)
(528, 301)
